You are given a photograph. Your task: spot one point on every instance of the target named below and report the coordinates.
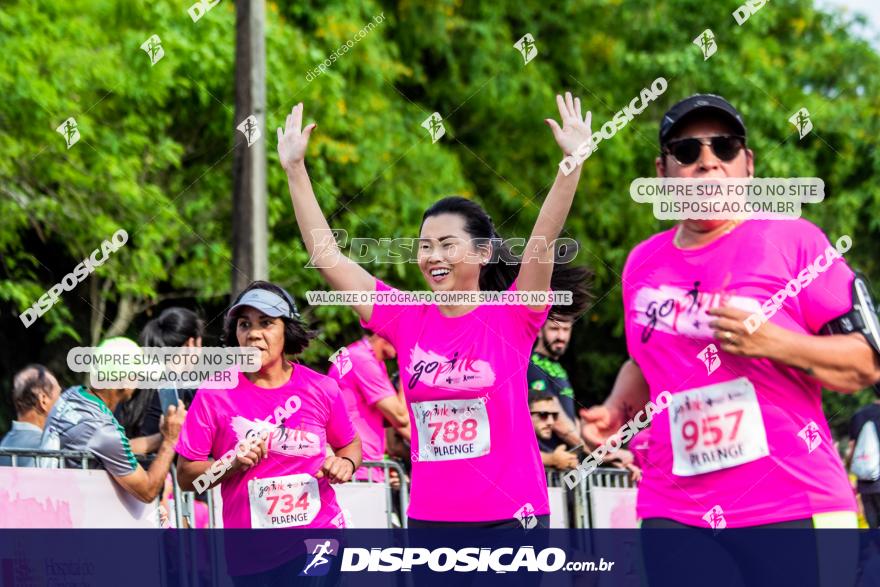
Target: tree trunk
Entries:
(249, 224)
(125, 313)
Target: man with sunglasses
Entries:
(545, 411)
(744, 442)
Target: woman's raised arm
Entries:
(537, 264)
(340, 272)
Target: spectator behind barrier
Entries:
(546, 373)
(34, 391)
(174, 327)
(545, 410)
(82, 420)
(863, 459)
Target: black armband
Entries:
(862, 318)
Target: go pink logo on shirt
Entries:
(281, 438)
(675, 310)
(462, 371)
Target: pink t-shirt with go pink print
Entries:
(303, 416)
(475, 453)
(745, 439)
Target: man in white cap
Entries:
(82, 420)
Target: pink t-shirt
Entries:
(638, 446)
(305, 415)
(364, 383)
(758, 445)
(475, 454)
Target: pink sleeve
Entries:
(372, 380)
(829, 295)
(386, 319)
(627, 296)
(197, 434)
(340, 430)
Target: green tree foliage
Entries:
(155, 155)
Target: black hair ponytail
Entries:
(502, 269)
(172, 328)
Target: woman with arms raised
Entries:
(463, 366)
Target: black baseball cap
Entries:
(675, 115)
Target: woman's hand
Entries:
(252, 457)
(635, 472)
(293, 140)
(730, 329)
(337, 470)
(599, 424)
(575, 129)
(394, 479)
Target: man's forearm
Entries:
(143, 445)
(630, 393)
(843, 362)
(404, 431)
(188, 471)
(160, 466)
(566, 430)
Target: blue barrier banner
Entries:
(456, 557)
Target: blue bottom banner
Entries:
(428, 557)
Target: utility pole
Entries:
(250, 258)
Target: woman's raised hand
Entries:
(293, 139)
(575, 127)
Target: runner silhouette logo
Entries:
(320, 554)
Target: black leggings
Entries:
(871, 503)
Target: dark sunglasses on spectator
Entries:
(686, 151)
(545, 415)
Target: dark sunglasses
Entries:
(545, 415)
(687, 151)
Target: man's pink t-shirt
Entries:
(474, 451)
(365, 382)
(306, 414)
(755, 449)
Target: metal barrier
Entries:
(60, 456)
(184, 506)
(583, 508)
(560, 500)
(58, 459)
(386, 466)
(600, 478)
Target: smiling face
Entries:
(708, 165)
(265, 333)
(448, 258)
